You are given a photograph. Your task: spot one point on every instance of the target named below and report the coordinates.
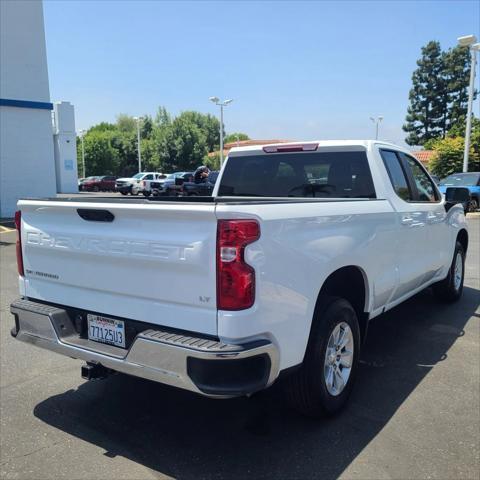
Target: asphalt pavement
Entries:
(414, 414)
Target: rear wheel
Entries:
(123, 193)
(324, 381)
(450, 289)
(146, 193)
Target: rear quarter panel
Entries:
(301, 244)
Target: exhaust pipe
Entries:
(94, 371)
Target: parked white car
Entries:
(139, 183)
(277, 275)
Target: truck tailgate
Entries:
(152, 262)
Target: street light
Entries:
(217, 101)
(138, 120)
(469, 41)
(82, 134)
(376, 121)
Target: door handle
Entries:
(95, 215)
(407, 220)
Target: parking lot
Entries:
(414, 412)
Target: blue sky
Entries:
(296, 70)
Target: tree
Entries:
(211, 126)
(427, 97)
(150, 155)
(208, 124)
(457, 76)
(125, 143)
(146, 127)
(162, 118)
(186, 143)
(103, 127)
(438, 98)
(212, 161)
(126, 123)
(234, 137)
(167, 144)
(101, 158)
(448, 156)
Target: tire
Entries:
(96, 189)
(473, 205)
(146, 193)
(123, 193)
(307, 389)
(450, 289)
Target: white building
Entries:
(65, 147)
(27, 158)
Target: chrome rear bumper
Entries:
(202, 365)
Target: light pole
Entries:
(376, 121)
(82, 134)
(138, 120)
(217, 101)
(469, 41)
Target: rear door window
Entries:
(316, 174)
(397, 175)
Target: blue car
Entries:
(470, 180)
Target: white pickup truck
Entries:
(139, 183)
(276, 275)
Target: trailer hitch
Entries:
(95, 371)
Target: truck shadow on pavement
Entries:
(187, 436)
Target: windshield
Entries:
(318, 174)
(464, 179)
(138, 175)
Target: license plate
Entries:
(106, 330)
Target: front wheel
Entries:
(473, 205)
(324, 381)
(450, 289)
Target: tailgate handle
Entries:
(95, 215)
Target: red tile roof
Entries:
(424, 156)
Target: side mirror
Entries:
(455, 195)
(179, 181)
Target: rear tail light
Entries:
(300, 147)
(18, 225)
(235, 278)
